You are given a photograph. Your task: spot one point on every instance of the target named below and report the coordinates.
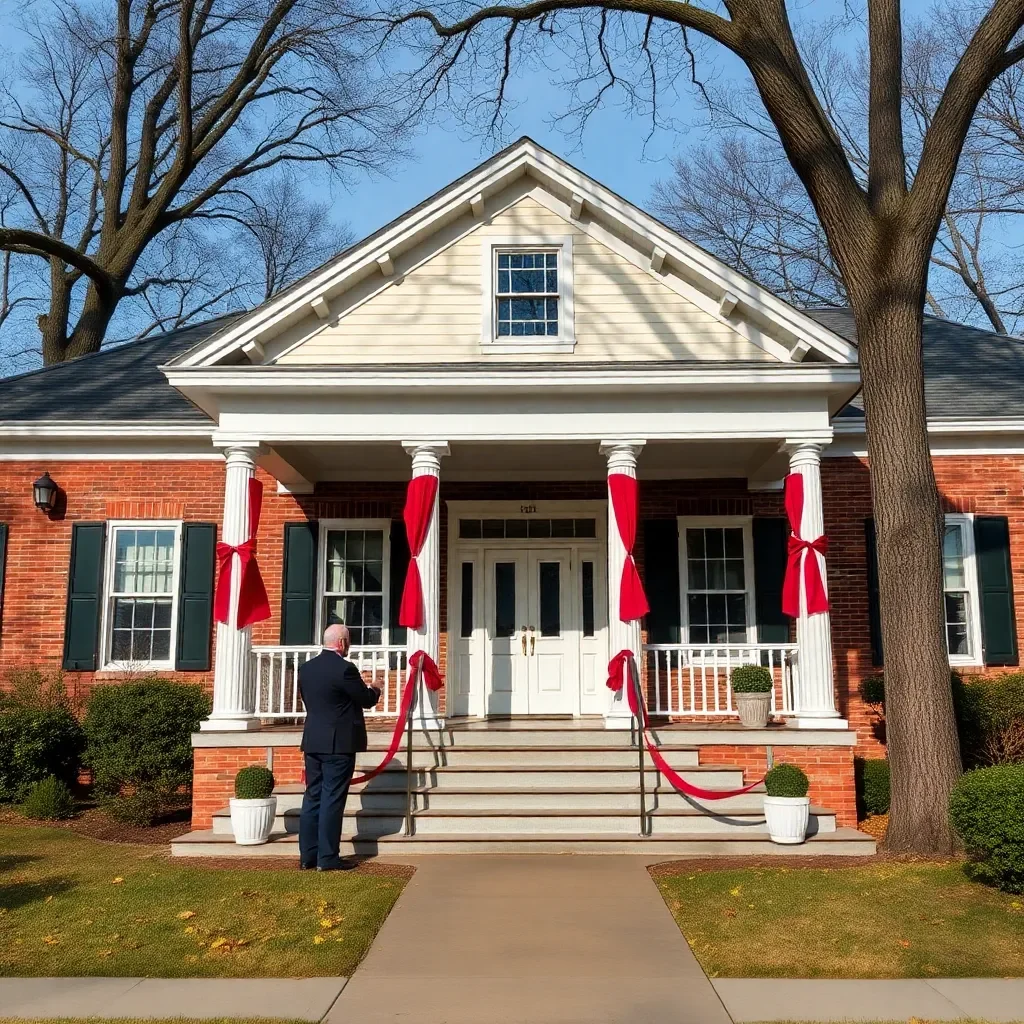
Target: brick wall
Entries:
(213, 775)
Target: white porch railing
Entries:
(693, 679)
(276, 673)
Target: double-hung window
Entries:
(716, 576)
(355, 574)
(960, 586)
(141, 595)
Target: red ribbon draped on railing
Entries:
(618, 668)
(624, 496)
(805, 551)
(419, 506)
(420, 665)
(253, 603)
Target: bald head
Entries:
(336, 638)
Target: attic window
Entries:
(527, 294)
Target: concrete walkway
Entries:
(768, 999)
(544, 940)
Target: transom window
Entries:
(497, 529)
(526, 294)
(716, 581)
(959, 575)
(354, 582)
(141, 594)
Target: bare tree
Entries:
(740, 198)
(132, 121)
(880, 222)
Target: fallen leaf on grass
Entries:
(186, 914)
(51, 940)
(736, 891)
(318, 939)
(190, 930)
(217, 943)
(116, 881)
(905, 943)
(105, 952)
(49, 899)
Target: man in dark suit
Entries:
(334, 696)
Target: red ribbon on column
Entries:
(802, 550)
(253, 603)
(419, 506)
(420, 664)
(624, 493)
(617, 668)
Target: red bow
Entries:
(423, 664)
(419, 507)
(253, 603)
(806, 551)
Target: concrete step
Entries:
(537, 755)
(575, 800)
(844, 842)
(518, 736)
(517, 820)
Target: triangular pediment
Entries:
(417, 291)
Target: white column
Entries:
(622, 456)
(234, 694)
(426, 461)
(813, 691)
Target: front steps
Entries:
(529, 787)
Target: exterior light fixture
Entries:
(44, 493)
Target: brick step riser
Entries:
(624, 824)
(625, 759)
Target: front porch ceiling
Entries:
(761, 462)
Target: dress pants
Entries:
(323, 804)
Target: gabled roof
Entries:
(969, 373)
(120, 382)
(718, 285)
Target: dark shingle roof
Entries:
(122, 382)
(969, 373)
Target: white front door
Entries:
(531, 632)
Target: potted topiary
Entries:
(786, 806)
(253, 807)
(752, 687)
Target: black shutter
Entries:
(3, 563)
(661, 580)
(399, 567)
(195, 597)
(874, 607)
(771, 537)
(298, 601)
(85, 596)
(995, 580)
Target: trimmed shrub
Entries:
(872, 775)
(987, 810)
(141, 809)
(35, 744)
(49, 800)
(139, 738)
(30, 689)
(872, 690)
(786, 780)
(751, 679)
(254, 783)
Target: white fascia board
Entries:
(1001, 425)
(104, 429)
(526, 157)
(658, 377)
(967, 437)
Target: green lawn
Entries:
(883, 920)
(74, 906)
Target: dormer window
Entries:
(527, 294)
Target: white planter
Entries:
(252, 820)
(754, 709)
(787, 818)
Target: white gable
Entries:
(420, 291)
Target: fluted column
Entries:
(621, 456)
(234, 696)
(814, 690)
(426, 461)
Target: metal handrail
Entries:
(409, 681)
(634, 681)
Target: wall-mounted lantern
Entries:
(44, 493)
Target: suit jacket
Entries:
(334, 694)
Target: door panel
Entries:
(553, 634)
(506, 611)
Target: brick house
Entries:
(521, 335)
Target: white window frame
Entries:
(490, 247)
(965, 521)
(107, 631)
(704, 522)
(326, 525)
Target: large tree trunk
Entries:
(58, 346)
(920, 726)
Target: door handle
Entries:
(533, 641)
(524, 639)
